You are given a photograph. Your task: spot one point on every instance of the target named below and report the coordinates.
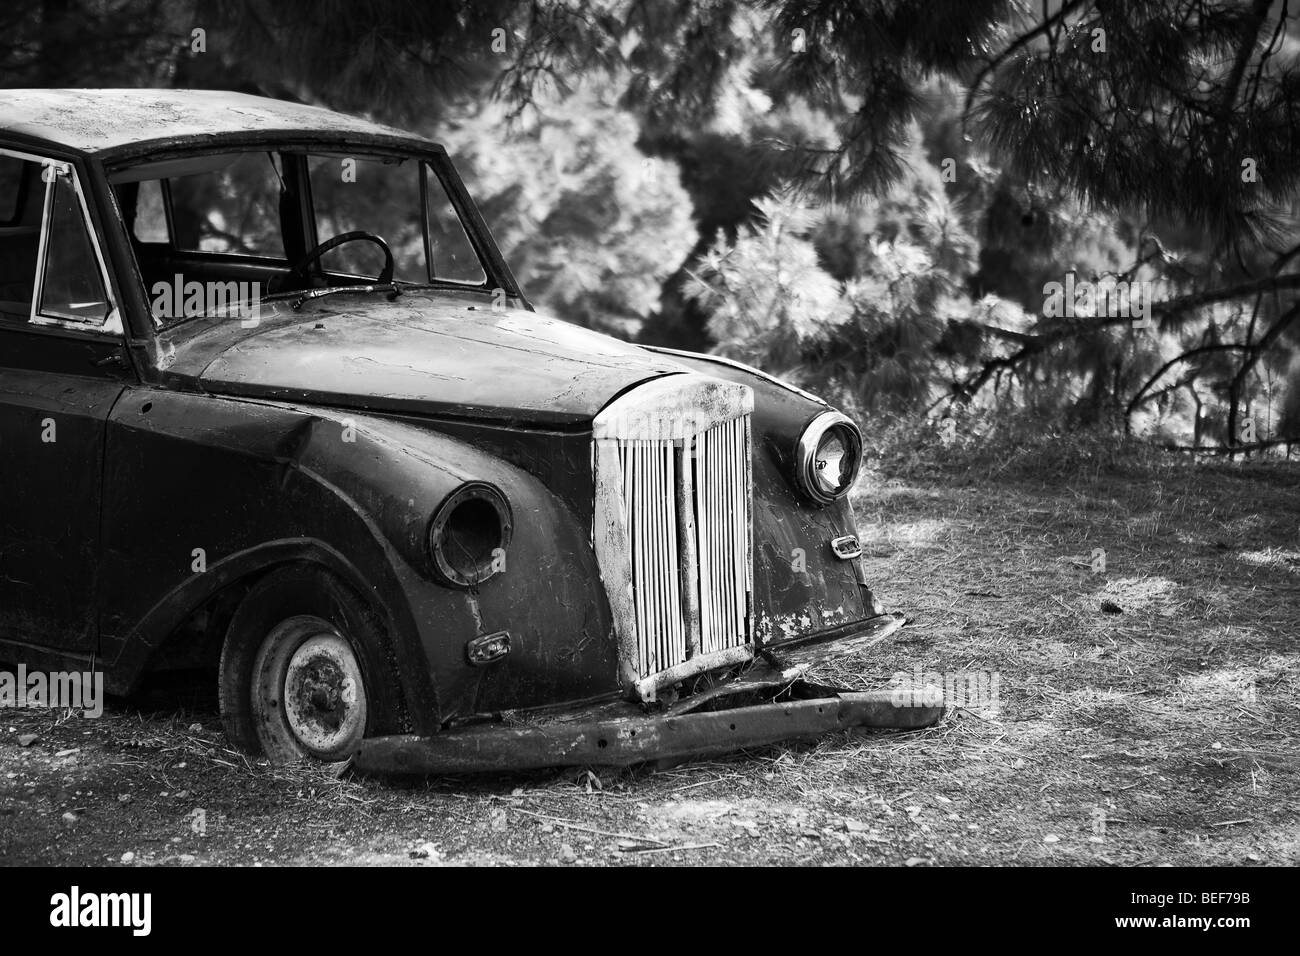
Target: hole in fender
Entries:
(602, 743)
(472, 532)
(467, 534)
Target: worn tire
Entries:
(299, 674)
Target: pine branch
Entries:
(1192, 353)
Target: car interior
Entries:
(21, 194)
(167, 207)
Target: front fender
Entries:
(210, 486)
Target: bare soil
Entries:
(1146, 714)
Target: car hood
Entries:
(423, 354)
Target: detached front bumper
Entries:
(768, 703)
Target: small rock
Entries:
(70, 818)
(26, 740)
(425, 851)
(186, 857)
(123, 798)
(1051, 838)
(196, 728)
(1216, 746)
(915, 860)
(67, 753)
(855, 826)
(567, 853)
(128, 857)
(1253, 857)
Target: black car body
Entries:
(416, 512)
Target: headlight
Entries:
(828, 457)
(469, 535)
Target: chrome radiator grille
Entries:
(673, 527)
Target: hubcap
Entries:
(324, 696)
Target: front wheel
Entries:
(308, 694)
(296, 681)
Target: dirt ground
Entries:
(1145, 714)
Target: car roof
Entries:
(126, 122)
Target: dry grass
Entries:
(1173, 722)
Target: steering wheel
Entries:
(299, 269)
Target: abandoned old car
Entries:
(273, 404)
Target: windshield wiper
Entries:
(392, 289)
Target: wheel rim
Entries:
(311, 687)
(323, 694)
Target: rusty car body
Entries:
(405, 518)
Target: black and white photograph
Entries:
(654, 434)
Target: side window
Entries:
(451, 256)
(233, 209)
(13, 176)
(72, 286)
(21, 198)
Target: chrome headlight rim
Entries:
(806, 455)
(443, 529)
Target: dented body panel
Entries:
(336, 431)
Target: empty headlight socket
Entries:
(469, 535)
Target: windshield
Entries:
(218, 231)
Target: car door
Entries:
(62, 367)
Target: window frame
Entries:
(51, 170)
(105, 167)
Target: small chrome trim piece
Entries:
(487, 648)
(846, 547)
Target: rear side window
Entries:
(14, 173)
(21, 194)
